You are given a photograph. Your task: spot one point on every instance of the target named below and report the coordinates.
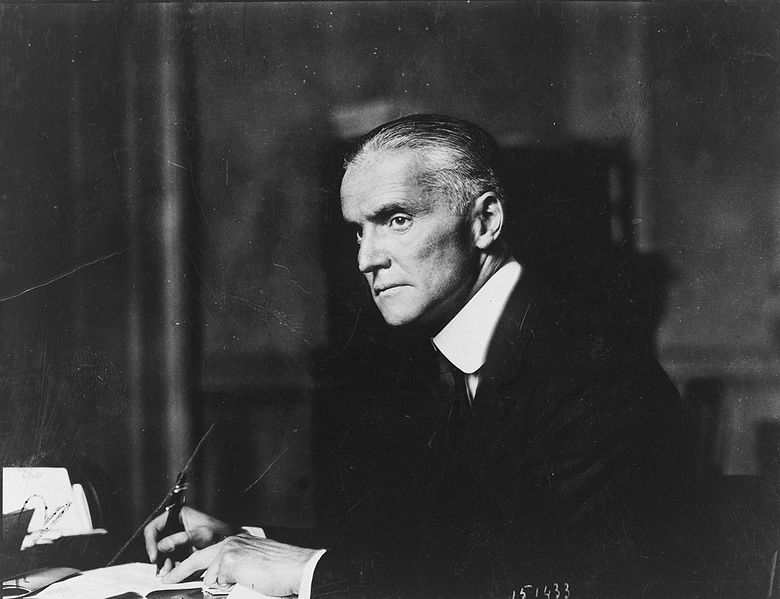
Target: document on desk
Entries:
(132, 578)
(115, 580)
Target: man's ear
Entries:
(488, 220)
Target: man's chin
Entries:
(398, 317)
(410, 314)
(412, 322)
(398, 321)
(427, 323)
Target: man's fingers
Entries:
(215, 575)
(151, 532)
(200, 560)
(210, 575)
(201, 536)
(166, 567)
(150, 538)
(185, 569)
(171, 542)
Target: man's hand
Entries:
(263, 565)
(200, 530)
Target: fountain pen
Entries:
(172, 508)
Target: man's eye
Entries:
(400, 222)
(358, 236)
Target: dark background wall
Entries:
(164, 213)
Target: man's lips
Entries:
(379, 290)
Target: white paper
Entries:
(61, 509)
(48, 490)
(107, 582)
(80, 508)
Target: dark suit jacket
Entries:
(566, 476)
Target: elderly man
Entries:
(521, 453)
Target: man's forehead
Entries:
(380, 179)
(401, 165)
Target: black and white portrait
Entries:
(428, 299)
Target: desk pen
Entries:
(173, 523)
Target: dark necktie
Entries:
(454, 417)
(454, 383)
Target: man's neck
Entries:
(491, 263)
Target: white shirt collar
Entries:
(465, 339)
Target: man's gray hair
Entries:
(457, 159)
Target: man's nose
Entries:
(371, 255)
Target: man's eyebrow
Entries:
(387, 210)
